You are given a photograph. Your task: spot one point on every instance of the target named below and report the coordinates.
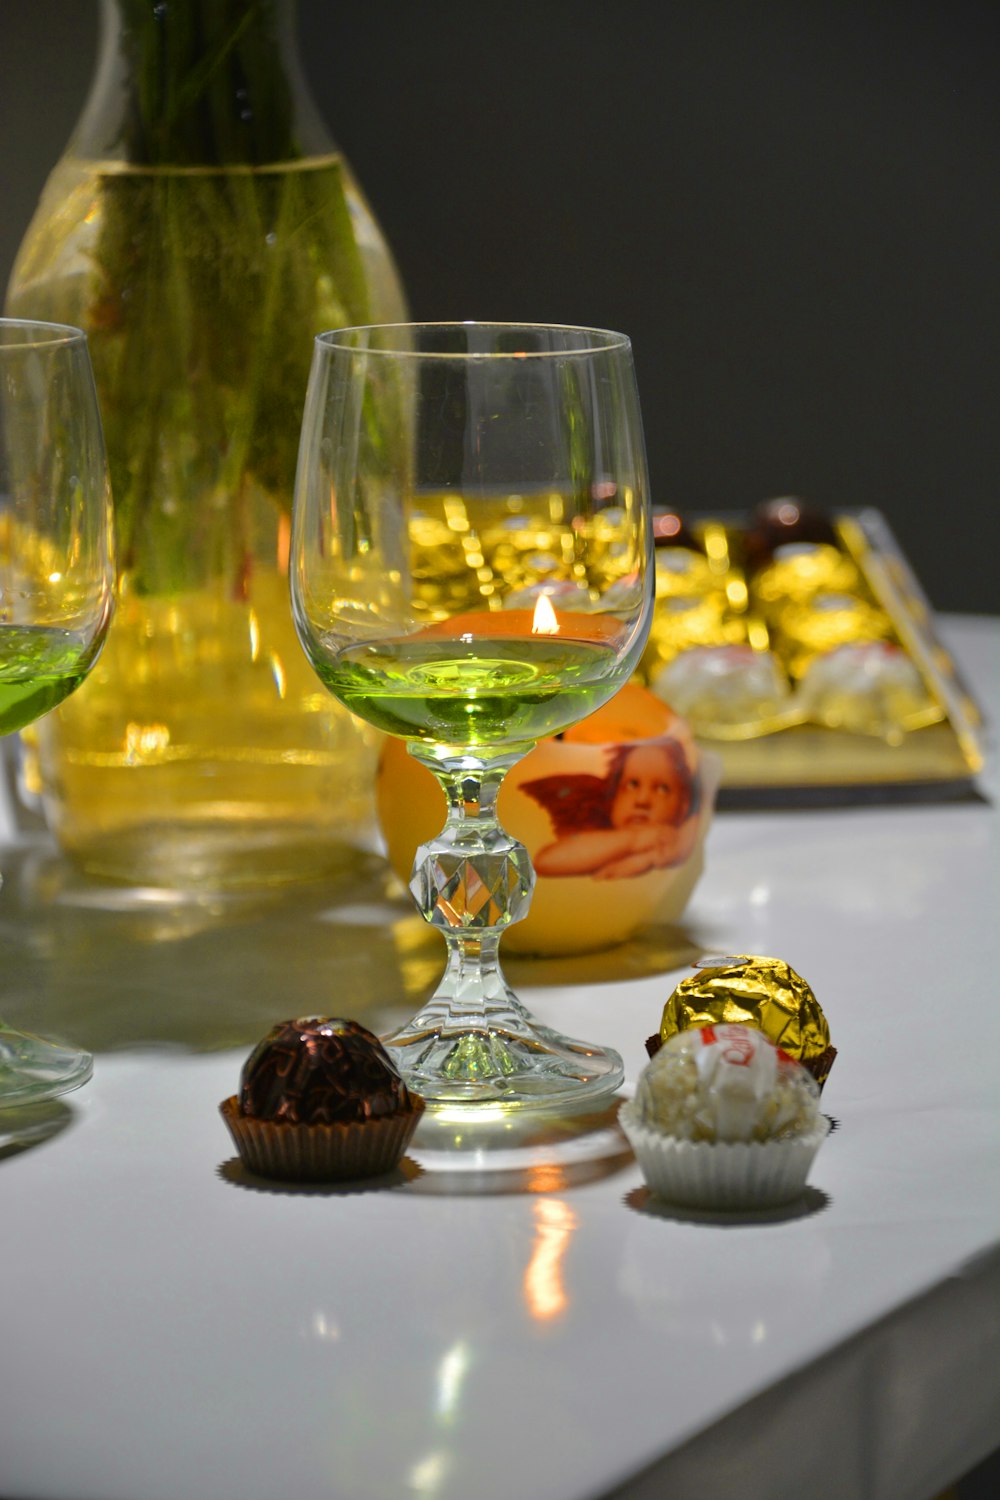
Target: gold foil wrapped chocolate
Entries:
(470, 557)
(681, 571)
(799, 570)
(805, 630)
(681, 621)
(752, 990)
(868, 687)
(727, 692)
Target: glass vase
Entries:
(202, 227)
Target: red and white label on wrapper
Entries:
(741, 1045)
(726, 1082)
(739, 1066)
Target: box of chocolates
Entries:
(799, 645)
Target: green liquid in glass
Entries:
(39, 667)
(486, 692)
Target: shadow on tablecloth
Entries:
(110, 967)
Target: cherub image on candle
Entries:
(641, 815)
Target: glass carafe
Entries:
(202, 227)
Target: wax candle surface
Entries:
(515, 624)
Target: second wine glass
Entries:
(56, 584)
(471, 570)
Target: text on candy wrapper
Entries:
(739, 1046)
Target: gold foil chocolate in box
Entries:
(824, 672)
(708, 651)
(464, 556)
(693, 608)
(683, 568)
(804, 629)
(791, 552)
(868, 687)
(728, 692)
(802, 570)
(682, 622)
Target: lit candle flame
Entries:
(543, 621)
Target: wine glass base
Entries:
(532, 1068)
(32, 1070)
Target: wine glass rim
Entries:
(601, 340)
(39, 334)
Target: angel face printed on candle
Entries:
(641, 815)
(653, 786)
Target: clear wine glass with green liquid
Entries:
(56, 584)
(472, 570)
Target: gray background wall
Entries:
(792, 207)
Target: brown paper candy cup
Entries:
(321, 1153)
(820, 1064)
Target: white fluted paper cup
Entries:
(722, 1174)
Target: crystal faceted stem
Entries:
(473, 1040)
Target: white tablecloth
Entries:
(524, 1321)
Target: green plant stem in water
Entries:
(222, 249)
(207, 83)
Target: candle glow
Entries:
(514, 624)
(543, 621)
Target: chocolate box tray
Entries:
(806, 763)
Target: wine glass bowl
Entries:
(471, 571)
(56, 583)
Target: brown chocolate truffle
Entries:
(778, 522)
(671, 530)
(318, 1071)
(320, 1099)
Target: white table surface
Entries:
(522, 1322)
